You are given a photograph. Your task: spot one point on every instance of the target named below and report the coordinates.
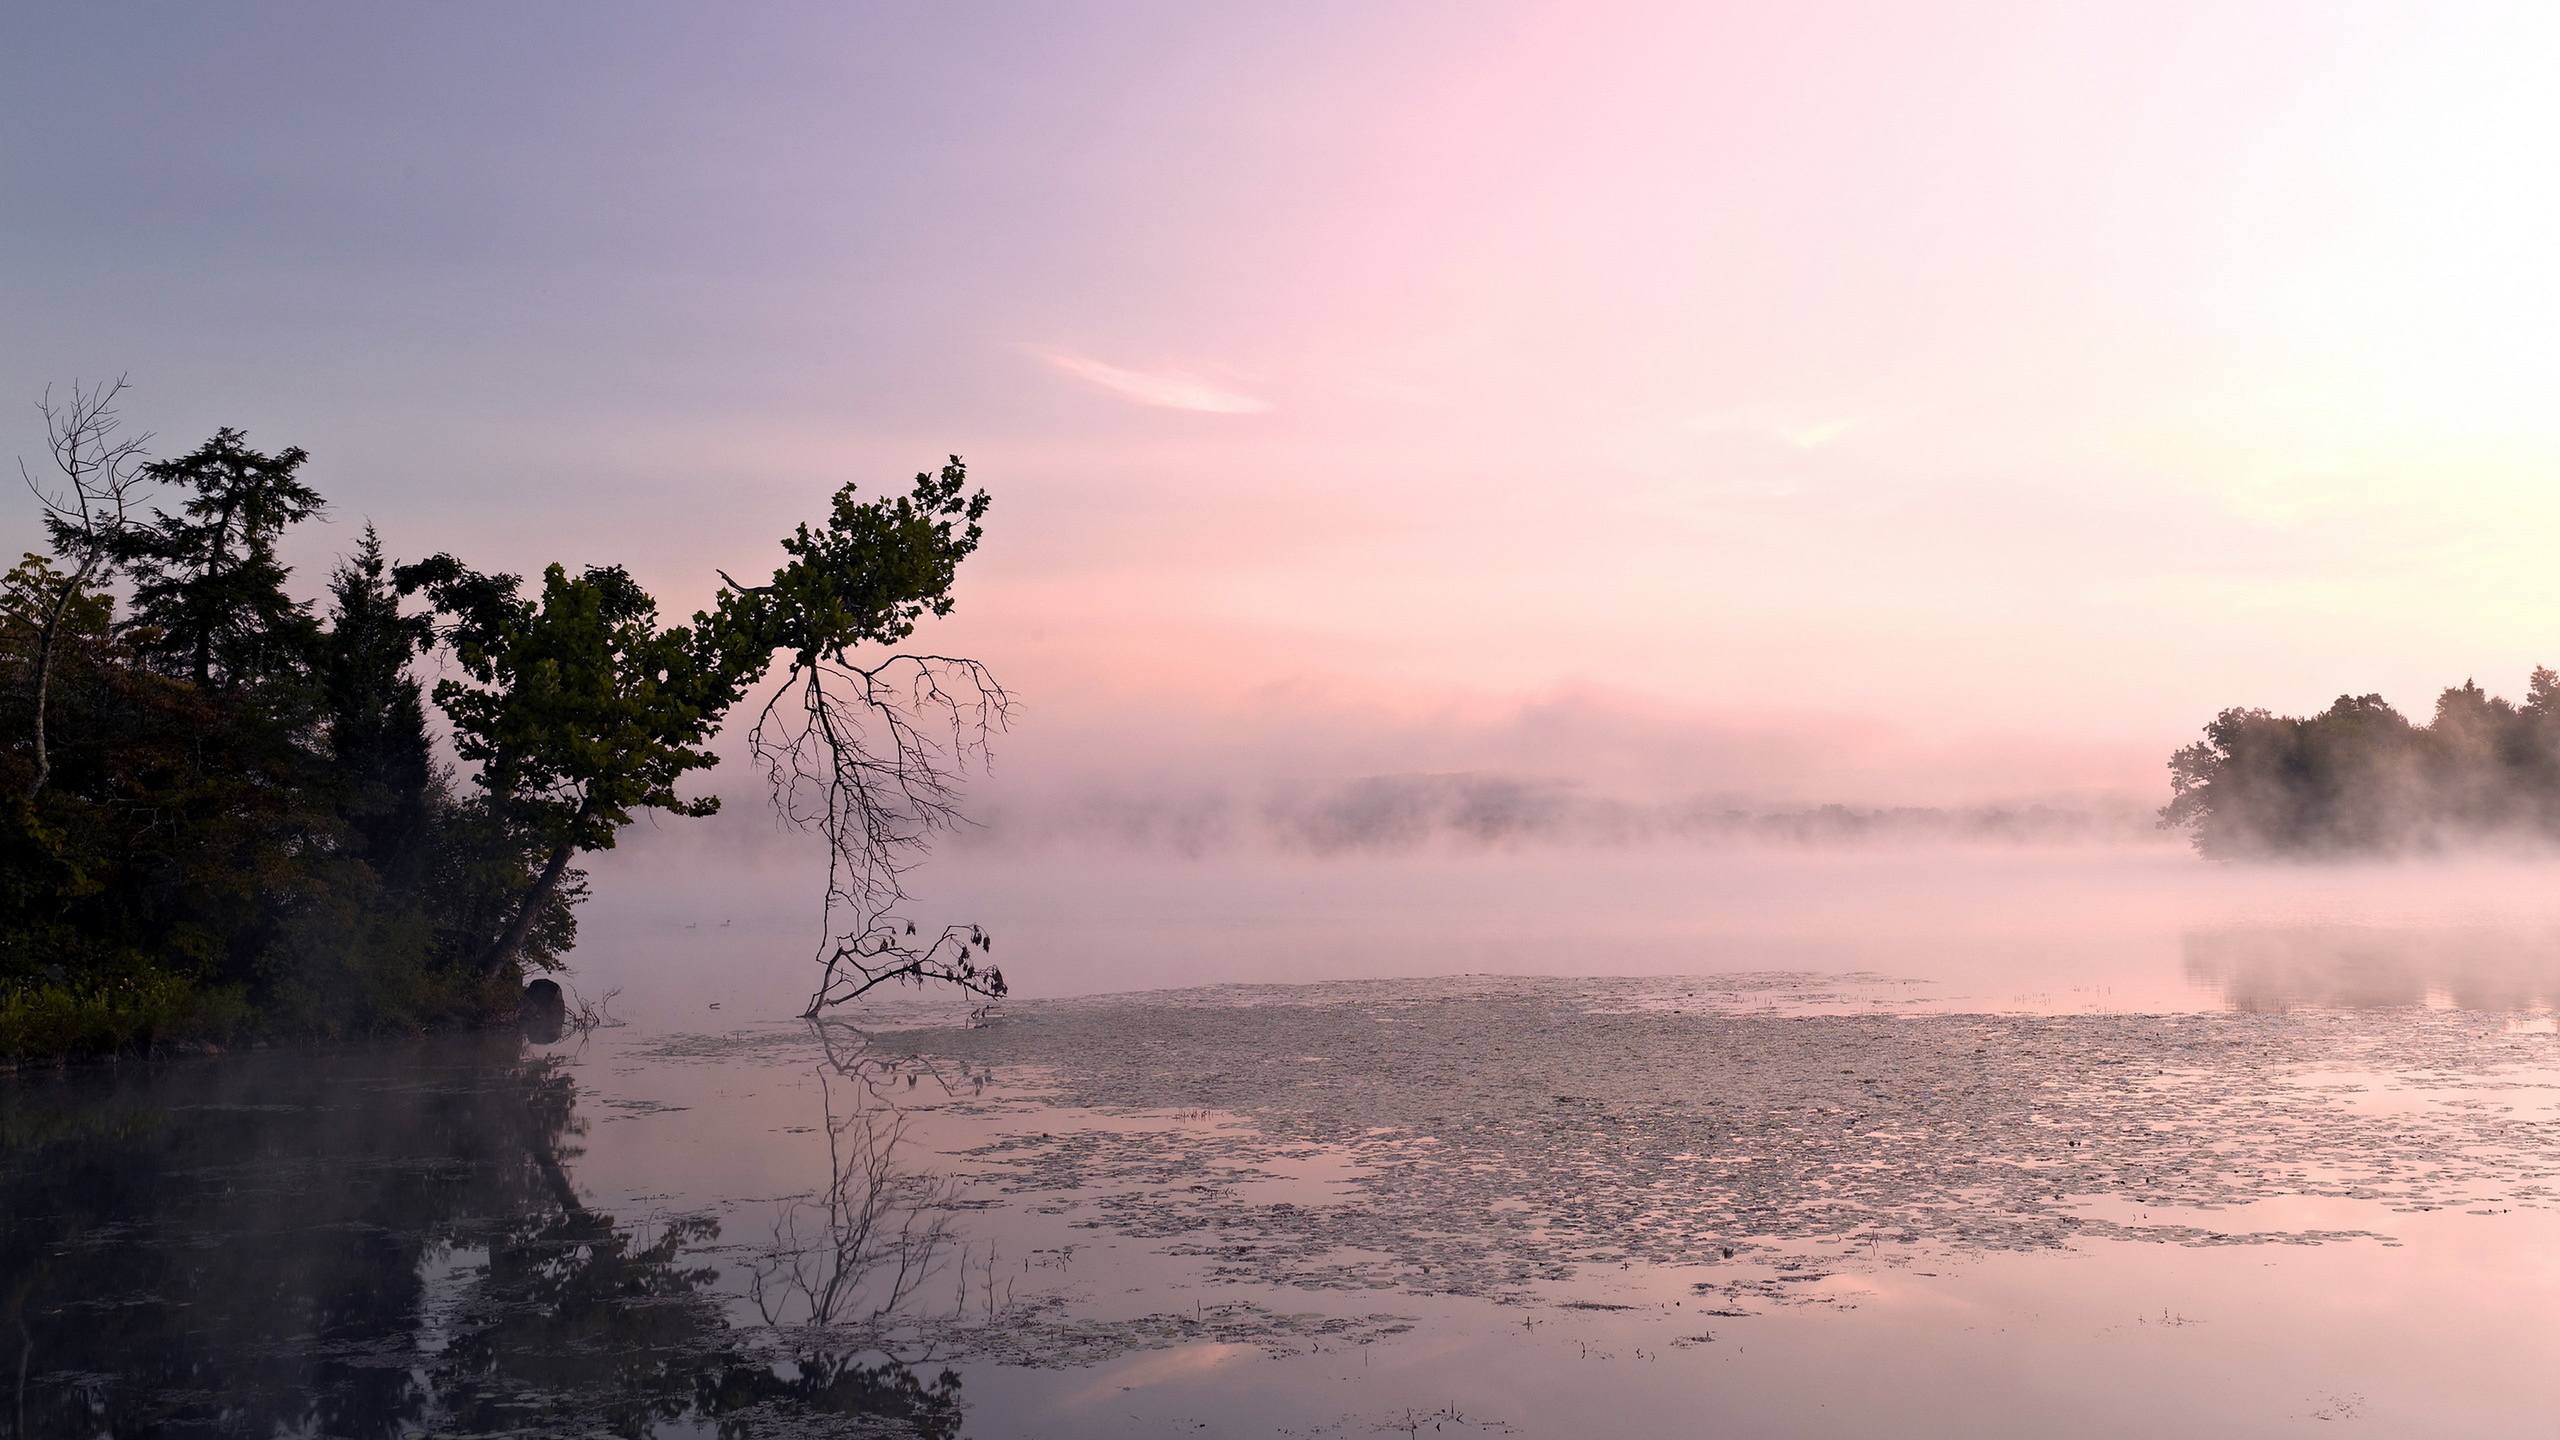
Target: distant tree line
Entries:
(225, 810)
(2359, 778)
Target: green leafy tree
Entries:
(580, 710)
(33, 598)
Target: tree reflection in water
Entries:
(865, 1244)
(2268, 969)
(387, 1241)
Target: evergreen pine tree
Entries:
(377, 718)
(209, 603)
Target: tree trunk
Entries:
(503, 952)
(47, 641)
(215, 552)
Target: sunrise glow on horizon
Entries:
(1079, 720)
(1861, 402)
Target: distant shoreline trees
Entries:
(225, 811)
(2360, 779)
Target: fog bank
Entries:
(2092, 926)
(1390, 814)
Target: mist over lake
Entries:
(2102, 925)
(1648, 718)
(1494, 1140)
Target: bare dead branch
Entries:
(85, 513)
(872, 758)
(863, 1247)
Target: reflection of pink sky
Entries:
(1998, 391)
(2250, 1348)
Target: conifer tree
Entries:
(377, 717)
(209, 603)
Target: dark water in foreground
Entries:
(1746, 1204)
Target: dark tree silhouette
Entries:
(209, 602)
(581, 710)
(377, 716)
(87, 509)
(229, 810)
(2359, 778)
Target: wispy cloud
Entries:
(1819, 434)
(1798, 433)
(1169, 389)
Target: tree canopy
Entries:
(209, 600)
(240, 810)
(2360, 778)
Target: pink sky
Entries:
(1876, 402)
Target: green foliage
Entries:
(2359, 778)
(28, 594)
(864, 578)
(134, 1011)
(576, 706)
(273, 841)
(241, 819)
(580, 710)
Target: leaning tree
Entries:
(580, 710)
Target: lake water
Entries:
(1867, 1144)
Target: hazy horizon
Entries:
(1685, 694)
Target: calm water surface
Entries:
(2204, 1173)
